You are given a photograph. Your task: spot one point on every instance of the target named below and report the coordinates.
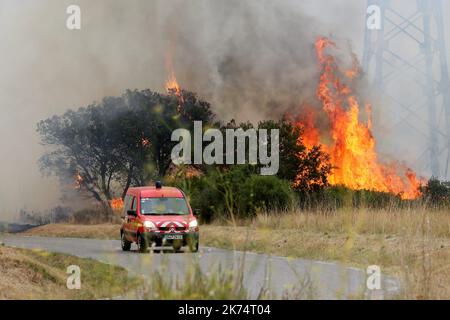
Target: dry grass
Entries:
(32, 274)
(413, 244)
(99, 231)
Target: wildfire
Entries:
(145, 142)
(311, 135)
(78, 180)
(116, 204)
(352, 147)
(172, 86)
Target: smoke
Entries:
(247, 58)
(251, 59)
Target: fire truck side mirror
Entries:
(132, 213)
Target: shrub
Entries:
(236, 192)
(90, 216)
(307, 169)
(437, 193)
(265, 193)
(335, 197)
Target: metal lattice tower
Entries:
(406, 59)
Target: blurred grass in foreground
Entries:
(218, 283)
(412, 244)
(35, 274)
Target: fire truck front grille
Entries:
(168, 228)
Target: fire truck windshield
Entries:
(163, 206)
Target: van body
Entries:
(159, 216)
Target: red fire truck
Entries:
(158, 215)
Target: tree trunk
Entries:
(128, 183)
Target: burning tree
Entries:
(107, 147)
(351, 144)
(307, 168)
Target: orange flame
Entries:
(78, 180)
(172, 86)
(145, 142)
(116, 204)
(310, 134)
(352, 148)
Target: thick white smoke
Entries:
(250, 59)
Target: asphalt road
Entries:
(324, 280)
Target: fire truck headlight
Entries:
(193, 224)
(149, 225)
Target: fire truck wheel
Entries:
(126, 245)
(142, 244)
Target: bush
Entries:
(236, 192)
(60, 214)
(66, 215)
(265, 193)
(335, 197)
(436, 193)
(57, 214)
(89, 216)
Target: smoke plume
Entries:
(251, 59)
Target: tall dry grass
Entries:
(412, 243)
(411, 221)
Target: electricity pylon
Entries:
(406, 59)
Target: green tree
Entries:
(237, 192)
(308, 170)
(106, 147)
(436, 192)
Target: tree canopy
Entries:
(106, 147)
